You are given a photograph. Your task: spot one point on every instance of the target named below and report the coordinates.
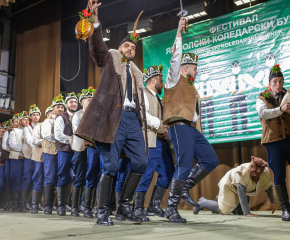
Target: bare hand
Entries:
(252, 215)
(273, 207)
(286, 107)
(94, 8)
(166, 135)
(181, 25)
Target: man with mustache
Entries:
(276, 134)
(239, 184)
(115, 118)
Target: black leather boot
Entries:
(128, 191)
(89, 195)
(36, 195)
(23, 198)
(61, 200)
(103, 201)
(27, 204)
(95, 209)
(68, 191)
(171, 211)
(75, 202)
(40, 207)
(6, 199)
(120, 218)
(138, 206)
(81, 201)
(154, 205)
(208, 204)
(48, 198)
(282, 194)
(196, 175)
(15, 200)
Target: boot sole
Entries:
(120, 216)
(105, 225)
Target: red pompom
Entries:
(265, 91)
(191, 79)
(58, 98)
(277, 65)
(26, 112)
(196, 57)
(92, 88)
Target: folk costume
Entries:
(15, 140)
(80, 163)
(237, 188)
(114, 121)
(63, 130)
(276, 138)
(182, 115)
(160, 156)
(5, 156)
(50, 162)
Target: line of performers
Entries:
(122, 118)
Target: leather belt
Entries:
(160, 135)
(129, 109)
(191, 124)
(21, 157)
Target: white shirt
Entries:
(36, 140)
(46, 131)
(59, 128)
(12, 142)
(5, 141)
(28, 135)
(153, 122)
(173, 74)
(264, 112)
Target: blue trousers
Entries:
(16, 170)
(50, 169)
(65, 173)
(189, 143)
(129, 137)
(161, 161)
(278, 154)
(2, 178)
(123, 171)
(38, 176)
(28, 167)
(79, 163)
(7, 173)
(94, 168)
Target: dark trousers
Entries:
(94, 168)
(189, 143)
(2, 179)
(79, 164)
(27, 174)
(16, 170)
(50, 169)
(161, 161)
(64, 173)
(278, 154)
(38, 176)
(123, 171)
(129, 137)
(7, 173)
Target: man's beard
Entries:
(71, 110)
(189, 75)
(158, 89)
(128, 58)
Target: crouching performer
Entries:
(238, 186)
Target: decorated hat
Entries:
(189, 58)
(152, 72)
(49, 109)
(58, 100)
(2, 125)
(132, 37)
(71, 95)
(23, 114)
(86, 93)
(34, 109)
(7, 124)
(276, 71)
(15, 116)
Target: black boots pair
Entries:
(282, 194)
(154, 206)
(126, 196)
(88, 201)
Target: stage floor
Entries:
(22, 226)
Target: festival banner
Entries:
(236, 52)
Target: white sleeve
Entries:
(152, 121)
(96, 25)
(265, 113)
(75, 123)
(12, 142)
(36, 140)
(27, 136)
(4, 141)
(58, 131)
(46, 131)
(173, 74)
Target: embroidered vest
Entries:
(67, 131)
(47, 146)
(77, 144)
(26, 149)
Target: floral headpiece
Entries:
(276, 71)
(86, 93)
(152, 72)
(71, 95)
(58, 100)
(189, 58)
(15, 116)
(34, 109)
(23, 114)
(49, 109)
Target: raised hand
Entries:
(94, 8)
(181, 26)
